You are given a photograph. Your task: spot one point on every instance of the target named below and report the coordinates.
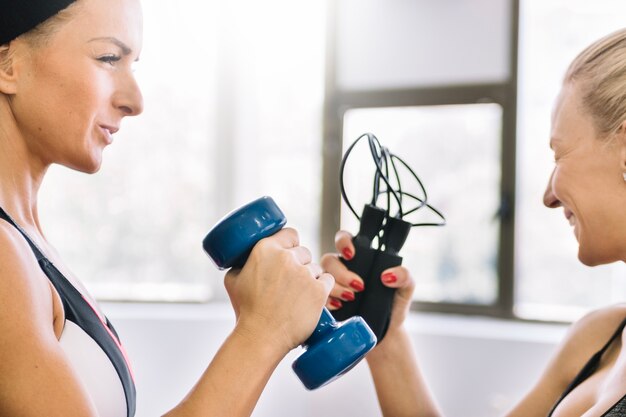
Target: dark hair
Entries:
(40, 34)
(18, 17)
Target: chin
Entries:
(93, 168)
(589, 260)
(87, 166)
(595, 256)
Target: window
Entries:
(455, 150)
(226, 84)
(434, 82)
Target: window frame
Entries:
(337, 102)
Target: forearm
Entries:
(234, 381)
(400, 385)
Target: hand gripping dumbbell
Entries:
(334, 347)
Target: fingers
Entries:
(328, 281)
(343, 243)
(286, 237)
(316, 270)
(302, 254)
(333, 304)
(347, 283)
(343, 276)
(399, 278)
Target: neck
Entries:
(21, 171)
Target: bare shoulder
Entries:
(25, 292)
(22, 284)
(592, 331)
(584, 338)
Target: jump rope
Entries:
(341, 339)
(387, 225)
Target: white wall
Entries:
(421, 43)
(476, 367)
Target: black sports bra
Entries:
(91, 343)
(619, 408)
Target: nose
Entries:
(549, 198)
(128, 98)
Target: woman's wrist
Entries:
(271, 342)
(390, 346)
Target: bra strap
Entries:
(619, 331)
(590, 367)
(38, 253)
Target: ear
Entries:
(7, 73)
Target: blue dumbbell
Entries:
(333, 348)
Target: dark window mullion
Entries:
(506, 257)
(423, 96)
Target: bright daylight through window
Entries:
(455, 151)
(133, 231)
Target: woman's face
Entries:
(587, 181)
(73, 91)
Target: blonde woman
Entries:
(587, 375)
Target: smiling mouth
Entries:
(111, 129)
(108, 132)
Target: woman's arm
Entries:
(36, 378)
(278, 302)
(276, 297)
(233, 382)
(400, 386)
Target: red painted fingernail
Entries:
(347, 254)
(357, 285)
(389, 278)
(347, 295)
(335, 303)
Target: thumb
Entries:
(400, 278)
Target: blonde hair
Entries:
(600, 73)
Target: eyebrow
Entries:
(125, 49)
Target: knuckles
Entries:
(328, 259)
(292, 235)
